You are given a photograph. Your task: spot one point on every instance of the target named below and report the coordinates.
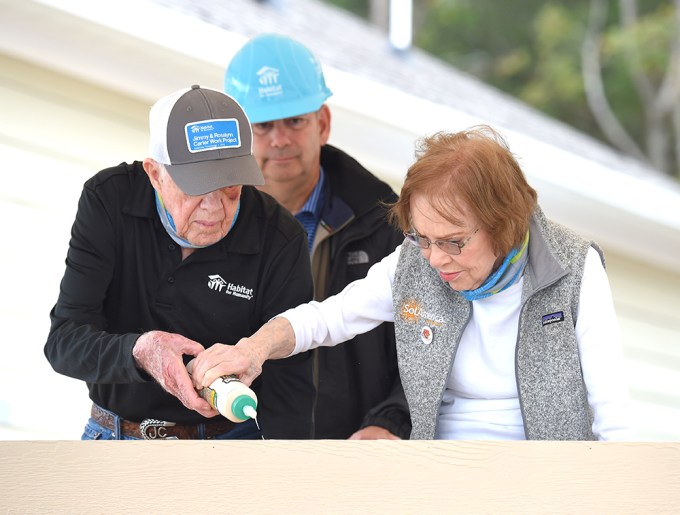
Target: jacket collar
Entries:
(140, 202)
(349, 195)
(360, 189)
(543, 269)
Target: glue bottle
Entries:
(230, 397)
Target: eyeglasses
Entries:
(295, 123)
(449, 246)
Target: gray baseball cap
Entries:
(204, 139)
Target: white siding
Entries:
(55, 132)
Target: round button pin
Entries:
(426, 335)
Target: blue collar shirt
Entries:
(310, 214)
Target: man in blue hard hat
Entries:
(280, 85)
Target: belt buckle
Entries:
(154, 429)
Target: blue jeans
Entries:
(244, 431)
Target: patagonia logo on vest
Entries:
(552, 318)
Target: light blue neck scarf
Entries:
(169, 224)
(507, 274)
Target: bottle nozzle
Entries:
(244, 407)
(249, 411)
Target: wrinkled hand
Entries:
(160, 355)
(274, 340)
(220, 360)
(373, 433)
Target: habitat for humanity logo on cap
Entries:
(204, 139)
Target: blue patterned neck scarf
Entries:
(507, 274)
(169, 224)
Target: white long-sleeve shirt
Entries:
(481, 400)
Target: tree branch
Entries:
(594, 87)
(644, 86)
(669, 91)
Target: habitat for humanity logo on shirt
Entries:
(215, 282)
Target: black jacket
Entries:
(357, 382)
(125, 276)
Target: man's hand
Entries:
(160, 355)
(373, 433)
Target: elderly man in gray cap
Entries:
(169, 256)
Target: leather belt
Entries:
(153, 429)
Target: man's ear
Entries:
(324, 124)
(153, 170)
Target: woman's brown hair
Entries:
(471, 171)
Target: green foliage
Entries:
(645, 44)
(358, 7)
(643, 48)
(554, 83)
(532, 50)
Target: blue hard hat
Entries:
(274, 77)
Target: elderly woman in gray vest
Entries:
(504, 320)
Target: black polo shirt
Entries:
(125, 276)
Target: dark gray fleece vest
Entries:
(430, 318)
